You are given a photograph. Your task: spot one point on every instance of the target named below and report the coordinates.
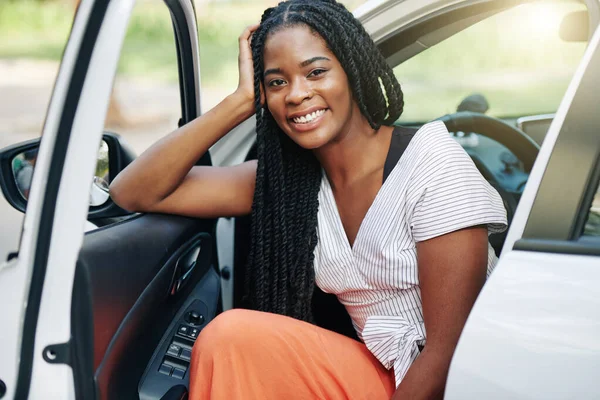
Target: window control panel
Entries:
(188, 331)
(170, 363)
(176, 360)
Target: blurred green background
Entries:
(515, 58)
(38, 29)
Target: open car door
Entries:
(111, 313)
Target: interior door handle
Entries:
(195, 258)
(184, 267)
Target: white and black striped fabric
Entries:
(434, 189)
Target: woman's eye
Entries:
(317, 72)
(276, 82)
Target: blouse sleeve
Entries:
(450, 192)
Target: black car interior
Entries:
(146, 306)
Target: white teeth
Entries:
(309, 117)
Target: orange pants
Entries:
(246, 354)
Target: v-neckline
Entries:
(339, 225)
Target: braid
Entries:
(280, 275)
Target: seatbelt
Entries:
(401, 137)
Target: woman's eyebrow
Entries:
(302, 65)
(312, 60)
(272, 71)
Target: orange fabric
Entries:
(246, 354)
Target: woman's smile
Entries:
(309, 120)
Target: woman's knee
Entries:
(228, 328)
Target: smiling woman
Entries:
(404, 249)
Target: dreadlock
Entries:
(280, 275)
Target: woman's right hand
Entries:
(246, 65)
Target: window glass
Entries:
(515, 59)
(33, 36)
(145, 103)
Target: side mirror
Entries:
(17, 165)
(575, 27)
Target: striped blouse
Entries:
(434, 189)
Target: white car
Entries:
(99, 303)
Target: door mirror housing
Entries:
(575, 27)
(17, 164)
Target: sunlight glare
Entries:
(545, 19)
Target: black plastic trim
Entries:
(55, 171)
(82, 328)
(587, 200)
(120, 156)
(513, 138)
(178, 392)
(61, 353)
(7, 180)
(185, 61)
(153, 385)
(131, 268)
(584, 246)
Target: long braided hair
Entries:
(280, 275)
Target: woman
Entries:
(405, 251)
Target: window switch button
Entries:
(183, 330)
(186, 354)
(174, 350)
(178, 373)
(165, 369)
(193, 333)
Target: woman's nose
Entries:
(299, 91)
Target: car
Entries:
(101, 303)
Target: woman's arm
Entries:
(164, 179)
(452, 271)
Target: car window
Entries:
(515, 59)
(33, 36)
(145, 103)
(592, 224)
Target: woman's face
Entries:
(306, 88)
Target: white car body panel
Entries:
(382, 18)
(533, 333)
(534, 330)
(73, 202)
(15, 275)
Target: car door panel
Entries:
(533, 330)
(129, 269)
(94, 339)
